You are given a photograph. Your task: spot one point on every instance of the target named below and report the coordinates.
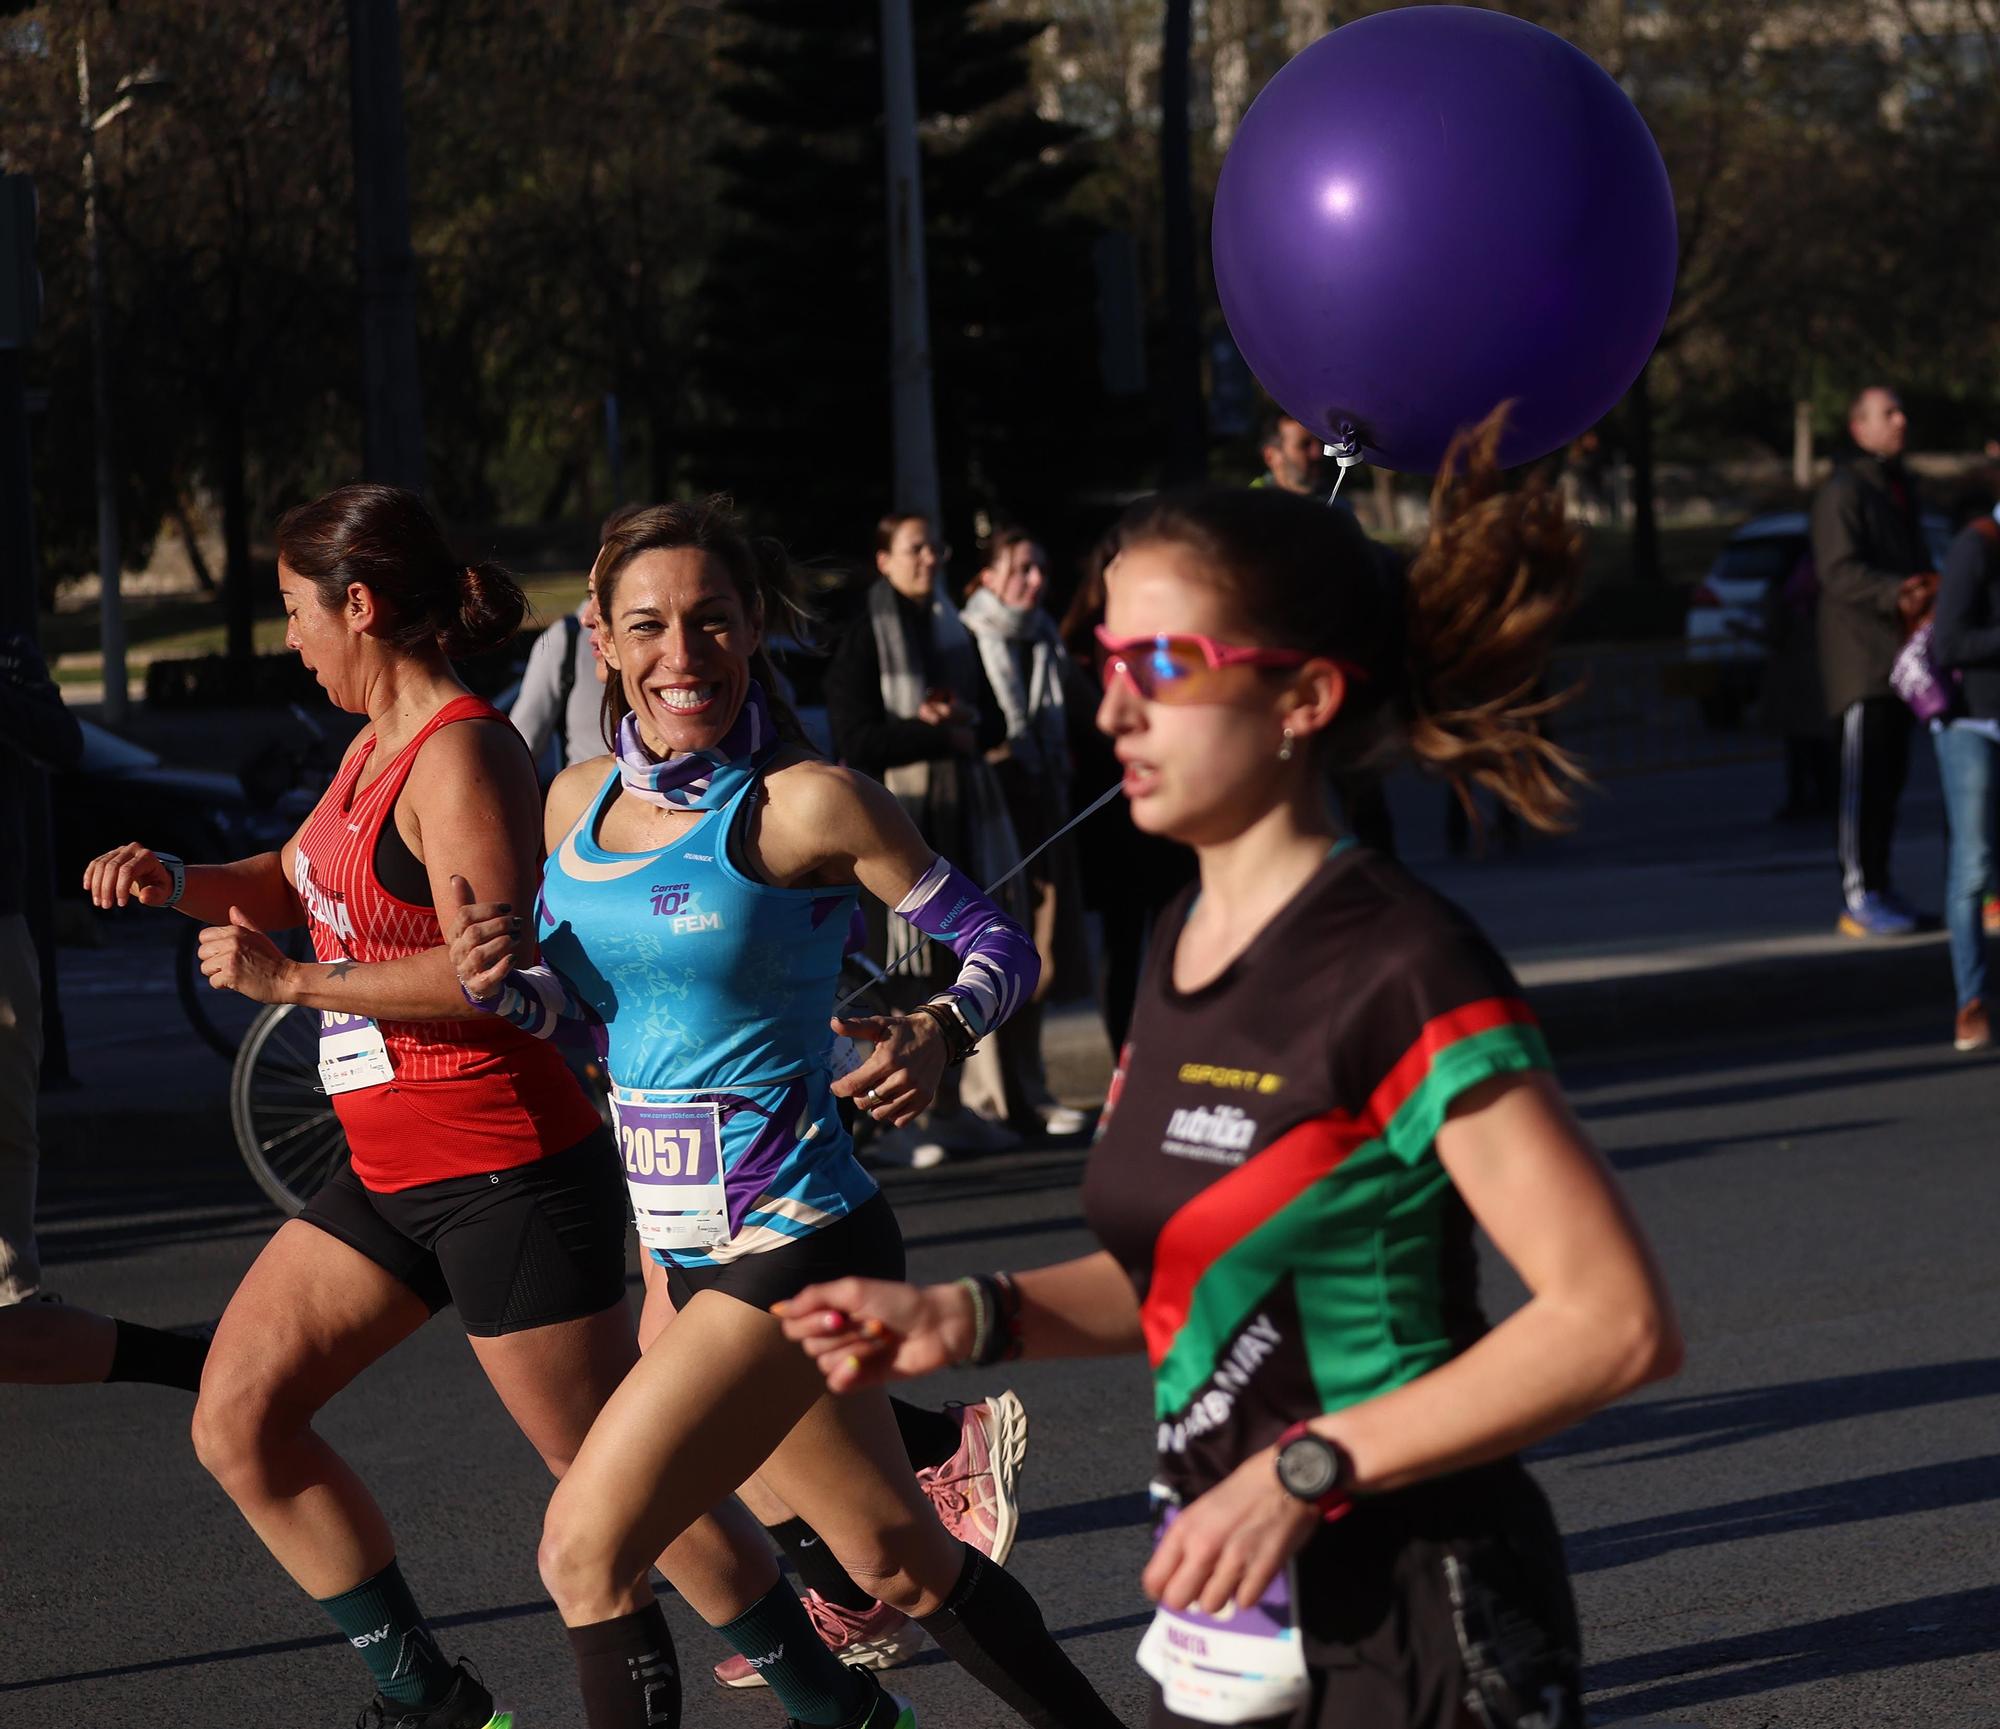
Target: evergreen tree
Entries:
(794, 372)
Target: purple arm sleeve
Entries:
(536, 999)
(997, 964)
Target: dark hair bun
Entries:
(490, 609)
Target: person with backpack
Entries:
(561, 689)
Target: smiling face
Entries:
(1018, 575)
(680, 637)
(328, 639)
(1199, 773)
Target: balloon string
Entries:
(1346, 454)
(880, 974)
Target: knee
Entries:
(911, 1582)
(237, 1429)
(578, 1560)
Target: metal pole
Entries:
(392, 409)
(110, 562)
(915, 432)
(1187, 435)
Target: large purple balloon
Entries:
(1432, 211)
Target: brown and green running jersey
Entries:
(1267, 1170)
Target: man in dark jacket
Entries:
(1875, 578)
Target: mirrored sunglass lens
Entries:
(1171, 662)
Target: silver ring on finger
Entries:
(871, 1096)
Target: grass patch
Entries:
(185, 626)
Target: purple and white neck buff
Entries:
(702, 779)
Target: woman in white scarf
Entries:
(1032, 676)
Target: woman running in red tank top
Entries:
(478, 1175)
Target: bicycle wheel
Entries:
(221, 1017)
(285, 1126)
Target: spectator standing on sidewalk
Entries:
(561, 693)
(908, 703)
(36, 733)
(1965, 638)
(1038, 687)
(1868, 546)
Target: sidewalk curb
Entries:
(1841, 985)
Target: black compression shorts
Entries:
(865, 1244)
(1443, 1606)
(525, 1247)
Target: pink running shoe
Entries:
(877, 1637)
(973, 1490)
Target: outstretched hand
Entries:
(484, 938)
(863, 1332)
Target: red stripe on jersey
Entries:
(1447, 1029)
(1213, 1222)
(469, 1096)
(1228, 1210)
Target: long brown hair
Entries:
(1452, 649)
(767, 582)
(387, 539)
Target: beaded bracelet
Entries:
(982, 1317)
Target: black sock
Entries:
(166, 1359)
(989, 1626)
(627, 1672)
(813, 1685)
(814, 1564)
(929, 1437)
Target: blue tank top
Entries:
(714, 986)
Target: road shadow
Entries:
(1892, 1494)
(1673, 1152)
(1083, 1518)
(1675, 1428)
(1900, 1636)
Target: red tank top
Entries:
(468, 1096)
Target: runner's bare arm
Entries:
(260, 887)
(472, 792)
(865, 1331)
(1598, 1321)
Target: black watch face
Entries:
(1308, 1468)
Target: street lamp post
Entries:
(111, 601)
(913, 428)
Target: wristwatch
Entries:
(1315, 1470)
(177, 875)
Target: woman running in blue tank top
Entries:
(694, 907)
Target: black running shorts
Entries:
(866, 1244)
(514, 1249)
(1444, 1606)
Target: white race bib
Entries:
(351, 1053)
(672, 1153)
(1242, 1666)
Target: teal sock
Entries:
(812, 1684)
(381, 1620)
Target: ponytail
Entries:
(1485, 596)
(386, 539)
(1451, 650)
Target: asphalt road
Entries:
(1800, 1531)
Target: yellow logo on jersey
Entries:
(1229, 1080)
